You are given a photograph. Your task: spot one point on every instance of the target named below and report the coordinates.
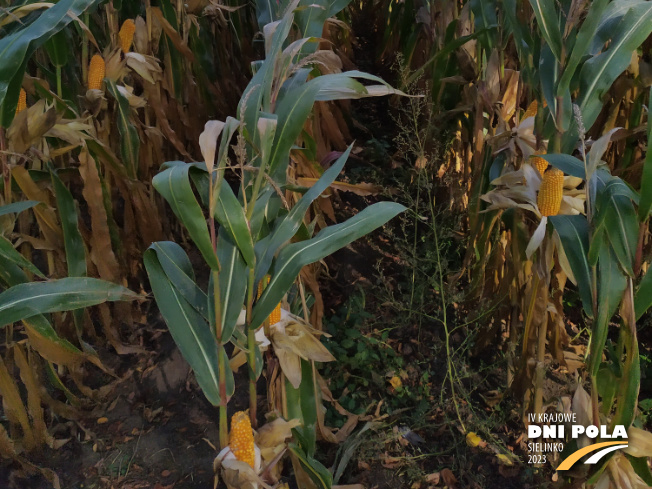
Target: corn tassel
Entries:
(539, 163)
(96, 70)
(241, 438)
(551, 192)
(22, 102)
(275, 316)
(126, 35)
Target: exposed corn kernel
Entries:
(275, 316)
(241, 438)
(539, 163)
(261, 286)
(22, 102)
(551, 192)
(126, 35)
(96, 70)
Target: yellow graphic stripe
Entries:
(570, 460)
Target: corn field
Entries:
(325, 244)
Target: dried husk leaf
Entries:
(101, 252)
(639, 443)
(146, 66)
(13, 406)
(581, 406)
(174, 36)
(33, 388)
(208, 142)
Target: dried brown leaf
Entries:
(101, 252)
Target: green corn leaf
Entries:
(615, 214)
(294, 107)
(230, 126)
(611, 285)
(257, 95)
(311, 15)
(622, 231)
(607, 383)
(484, 12)
(320, 475)
(129, 140)
(230, 214)
(72, 238)
(174, 185)
(548, 20)
(599, 73)
(31, 299)
(609, 21)
(296, 255)
(582, 43)
(17, 207)
(265, 211)
(549, 70)
(310, 403)
(641, 468)
(11, 255)
(58, 49)
(643, 296)
(17, 48)
(189, 330)
(169, 12)
(290, 224)
(175, 263)
(566, 163)
(646, 179)
(233, 284)
(574, 234)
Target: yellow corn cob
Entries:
(531, 110)
(261, 286)
(241, 438)
(275, 316)
(22, 102)
(126, 35)
(551, 192)
(96, 71)
(539, 163)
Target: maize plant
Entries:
(590, 231)
(254, 233)
(76, 198)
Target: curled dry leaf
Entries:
(146, 66)
(29, 126)
(362, 189)
(620, 474)
(116, 65)
(101, 252)
(174, 36)
(581, 405)
(208, 142)
(238, 475)
(449, 478)
(128, 93)
(271, 440)
(141, 39)
(639, 443)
